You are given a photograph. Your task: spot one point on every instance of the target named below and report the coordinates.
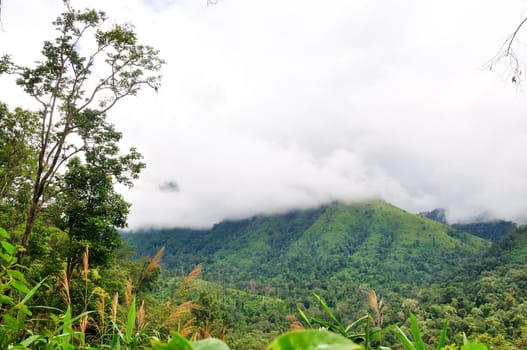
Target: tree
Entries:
(89, 211)
(75, 90)
(17, 162)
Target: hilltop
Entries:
(339, 250)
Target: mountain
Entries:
(483, 225)
(491, 230)
(487, 300)
(438, 214)
(339, 250)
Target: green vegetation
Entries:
(68, 280)
(491, 230)
(343, 252)
(339, 251)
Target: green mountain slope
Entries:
(376, 242)
(339, 251)
(488, 299)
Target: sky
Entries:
(269, 106)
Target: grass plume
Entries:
(65, 288)
(377, 305)
(129, 293)
(113, 311)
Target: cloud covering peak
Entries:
(273, 105)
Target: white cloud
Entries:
(272, 105)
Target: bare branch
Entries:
(508, 54)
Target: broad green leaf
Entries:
(7, 258)
(5, 299)
(474, 346)
(9, 248)
(20, 286)
(312, 340)
(130, 324)
(16, 275)
(210, 344)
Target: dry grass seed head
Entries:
(194, 274)
(141, 322)
(155, 261)
(372, 300)
(65, 288)
(83, 323)
(85, 263)
(115, 302)
(180, 312)
(101, 305)
(129, 293)
(187, 328)
(207, 330)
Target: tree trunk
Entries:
(31, 219)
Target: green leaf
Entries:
(210, 344)
(312, 340)
(403, 339)
(12, 323)
(442, 338)
(23, 308)
(328, 310)
(419, 344)
(3, 233)
(32, 339)
(130, 324)
(363, 319)
(67, 330)
(20, 286)
(9, 248)
(32, 291)
(7, 258)
(5, 299)
(304, 317)
(16, 275)
(474, 346)
(177, 342)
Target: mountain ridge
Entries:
(370, 244)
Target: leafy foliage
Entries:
(75, 91)
(90, 211)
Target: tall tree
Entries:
(17, 162)
(76, 88)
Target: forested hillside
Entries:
(340, 251)
(344, 251)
